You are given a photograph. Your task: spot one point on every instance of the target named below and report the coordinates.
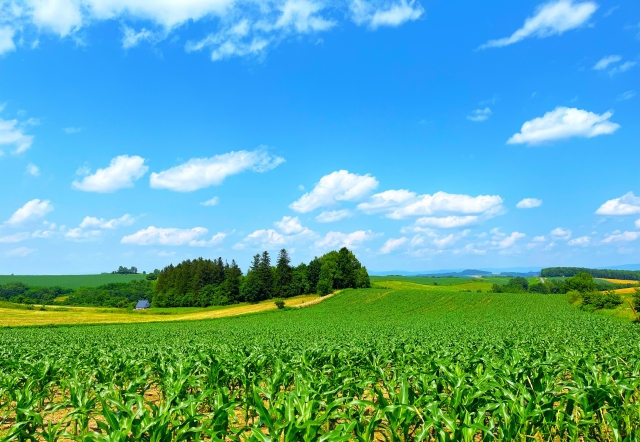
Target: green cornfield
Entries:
(366, 365)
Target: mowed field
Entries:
(18, 316)
(69, 281)
(404, 362)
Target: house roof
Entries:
(143, 304)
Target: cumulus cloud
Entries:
(12, 134)
(628, 204)
(606, 61)
(289, 225)
(391, 244)
(552, 18)
(91, 221)
(622, 237)
(172, 237)
(563, 123)
(638, 224)
(529, 203)
(479, 115)
(331, 216)
(20, 252)
(33, 209)
(392, 14)
(121, 173)
(337, 186)
(399, 204)
(581, 241)
(509, 241)
(561, 233)
(199, 173)
(349, 240)
(211, 202)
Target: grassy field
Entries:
(68, 281)
(408, 362)
(15, 315)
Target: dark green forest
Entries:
(551, 272)
(203, 282)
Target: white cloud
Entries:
(638, 224)
(561, 233)
(81, 235)
(622, 237)
(33, 170)
(624, 67)
(449, 239)
(12, 134)
(510, 240)
(6, 39)
(446, 222)
(337, 186)
(172, 237)
(215, 240)
(538, 239)
(90, 221)
(16, 237)
(394, 14)
(331, 216)
(20, 252)
(552, 18)
(33, 209)
(628, 95)
(349, 240)
(71, 130)
(479, 115)
(131, 38)
(606, 61)
(271, 239)
(563, 123)
(391, 244)
(628, 204)
(199, 173)
(120, 174)
(529, 203)
(581, 241)
(289, 225)
(211, 202)
(399, 204)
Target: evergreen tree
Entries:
(251, 287)
(284, 276)
(313, 274)
(265, 277)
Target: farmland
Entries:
(69, 281)
(404, 362)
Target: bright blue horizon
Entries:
(362, 107)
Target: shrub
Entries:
(573, 296)
(324, 287)
(279, 303)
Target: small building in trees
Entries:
(143, 304)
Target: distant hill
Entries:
(630, 275)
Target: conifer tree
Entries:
(283, 276)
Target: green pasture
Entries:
(404, 362)
(69, 281)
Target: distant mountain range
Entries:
(527, 272)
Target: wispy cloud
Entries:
(479, 115)
(552, 18)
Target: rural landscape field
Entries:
(408, 359)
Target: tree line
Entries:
(631, 275)
(581, 282)
(108, 295)
(204, 282)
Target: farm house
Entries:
(143, 304)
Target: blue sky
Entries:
(424, 135)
